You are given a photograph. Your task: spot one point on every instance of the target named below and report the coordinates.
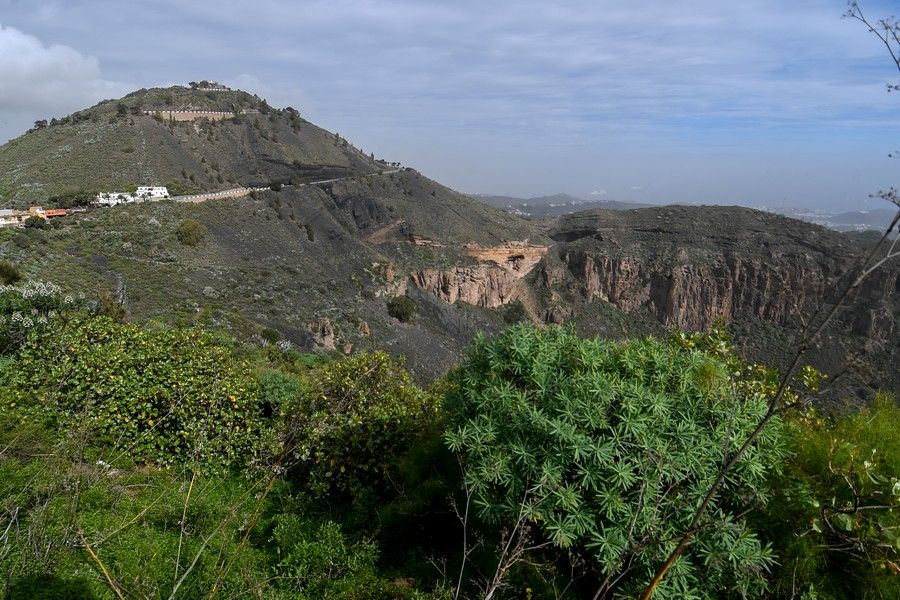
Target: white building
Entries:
(10, 218)
(113, 198)
(152, 192)
(143, 193)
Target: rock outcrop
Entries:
(494, 282)
(487, 286)
(693, 296)
(732, 264)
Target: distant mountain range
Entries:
(855, 220)
(552, 206)
(558, 205)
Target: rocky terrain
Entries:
(318, 264)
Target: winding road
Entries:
(244, 191)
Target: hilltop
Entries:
(188, 139)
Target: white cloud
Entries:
(48, 79)
(599, 193)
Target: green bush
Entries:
(270, 335)
(605, 449)
(355, 420)
(401, 308)
(191, 232)
(278, 390)
(37, 223)
(514, 312)
(72, 196)
(9, 273)
(319, 562)
(164, 396)
(29, 309)
(835, 517)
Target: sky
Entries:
(754, 102)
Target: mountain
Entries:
(318, 262)
(856, 220)
(860, 220)
(187, 139)
(552, 206)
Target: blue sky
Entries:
(757, 102)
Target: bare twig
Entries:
(99, 562)
(183, 523)
(464, 520)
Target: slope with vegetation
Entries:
(116, 144)
(546, 465)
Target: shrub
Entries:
(36, 223)
(109, 306)
(606, 448)
(318, 561)
(277, 390)
(164, 396)
(72, 196)
(357, 417)
(270, 335)
(514, 312)
(191, 232)
(835, 519)
(9, 273)
(29, 310)
(401, 308)
(178, 188)
(22, 241)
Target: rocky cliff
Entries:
(693, 296)
(689, 266)
(482, 285)
(496, 281)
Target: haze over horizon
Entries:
(759, 104)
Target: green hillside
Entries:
(115, 143)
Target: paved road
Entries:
(244, 191)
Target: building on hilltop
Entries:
(208, 86)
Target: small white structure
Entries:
(152, 192)
(10, 218)
(143, 194)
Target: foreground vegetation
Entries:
(149, 461)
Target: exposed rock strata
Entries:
(693, 296)
(487, 286)
(736, 264)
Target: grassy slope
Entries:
(280, 260)
(98, 149)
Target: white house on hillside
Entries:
(152, 192)
(10, 217)
(143, 193)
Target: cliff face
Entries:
(496, 281)
(693, 296)
(487, 286)
(688, 266)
